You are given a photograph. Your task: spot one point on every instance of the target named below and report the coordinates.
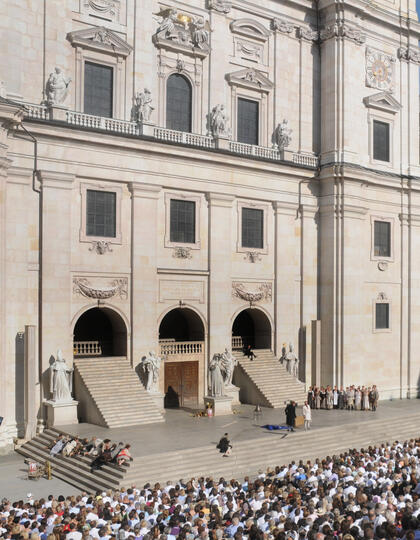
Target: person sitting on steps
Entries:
(249, 352)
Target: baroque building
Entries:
(185, 177)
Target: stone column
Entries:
(31, 382)
(55, 268)
(220, 263)
(10, 116)
(144, 279)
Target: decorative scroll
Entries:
(118, 287)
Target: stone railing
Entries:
(125, 127)
(181, 348)
(39, 112)
(182, 137)
(87, 348)
(237, 342)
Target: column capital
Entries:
(220, 199)
(286, 208)
(56, 179)
(144, 191)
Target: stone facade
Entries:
(330, 73)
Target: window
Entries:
(100, 213)
(178, 103)
(182, 224)
(98, 89)
(380, 141)
(248, 121)
(382, 316)
(382, 239)
(252, 228)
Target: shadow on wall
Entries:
(141, 373)
(418, 387)
(20, 382)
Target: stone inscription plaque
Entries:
(181, 290)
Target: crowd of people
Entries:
(352, 398)
(372, 493)
(102, 451)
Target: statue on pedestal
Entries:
(219, 122)
(151, 366)
(292, 362)
(142, 109)
(282, 136)
(200, 33)
(61, 380)
(215, 376)
(228, 362)
(57, 87)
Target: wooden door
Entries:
(181, 384)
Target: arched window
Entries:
(178, 103)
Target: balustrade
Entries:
(87, 348)
(180, 347)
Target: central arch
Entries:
(100, 332)
(182, 345)
(251, 327)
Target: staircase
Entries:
(111, 394)
(265, 381)
(273, 449)
(73, 470)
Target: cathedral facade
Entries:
(185, 177)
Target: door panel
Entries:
(182, 378)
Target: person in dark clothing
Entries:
(105, 456)
(224, 445)
(290, 411)
(249, 352)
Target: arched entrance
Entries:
(100, 332)
(251, 327)
(181, 343)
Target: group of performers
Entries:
(351, 398)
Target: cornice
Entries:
(144, 190)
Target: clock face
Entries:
(379, 71)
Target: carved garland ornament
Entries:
(410, 54)
(281, 25)
(343, 30)
(264, 292)
(117, 287)
(222, 6)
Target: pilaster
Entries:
(55, 264)
(220, 265)
(144, 279)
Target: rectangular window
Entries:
(101, 213)
(252, 228)
(382, 317)
(182, 222)
(380, 141)
(98, 89)
(248, 121)
(382, 239)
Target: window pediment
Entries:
(250, 78)
(101, 39)
(250, 29)
(383, 101)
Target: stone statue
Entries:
(215, 375)
(3, 91)
(61, 380)
(229, 362)
(57, 87)
(200, 34)
(166, 28)
(219, 122)
(151, 366)
(142, 109)
(292, 362)
(282, 136)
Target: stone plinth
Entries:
(221, 405)
(222, 143)
(58, 112)
(233, 392)
(61, 414)
(148, 129)
(158, 398)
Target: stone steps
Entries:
(269, 383)
(272, 451)
(73, 470)
(115, 390)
